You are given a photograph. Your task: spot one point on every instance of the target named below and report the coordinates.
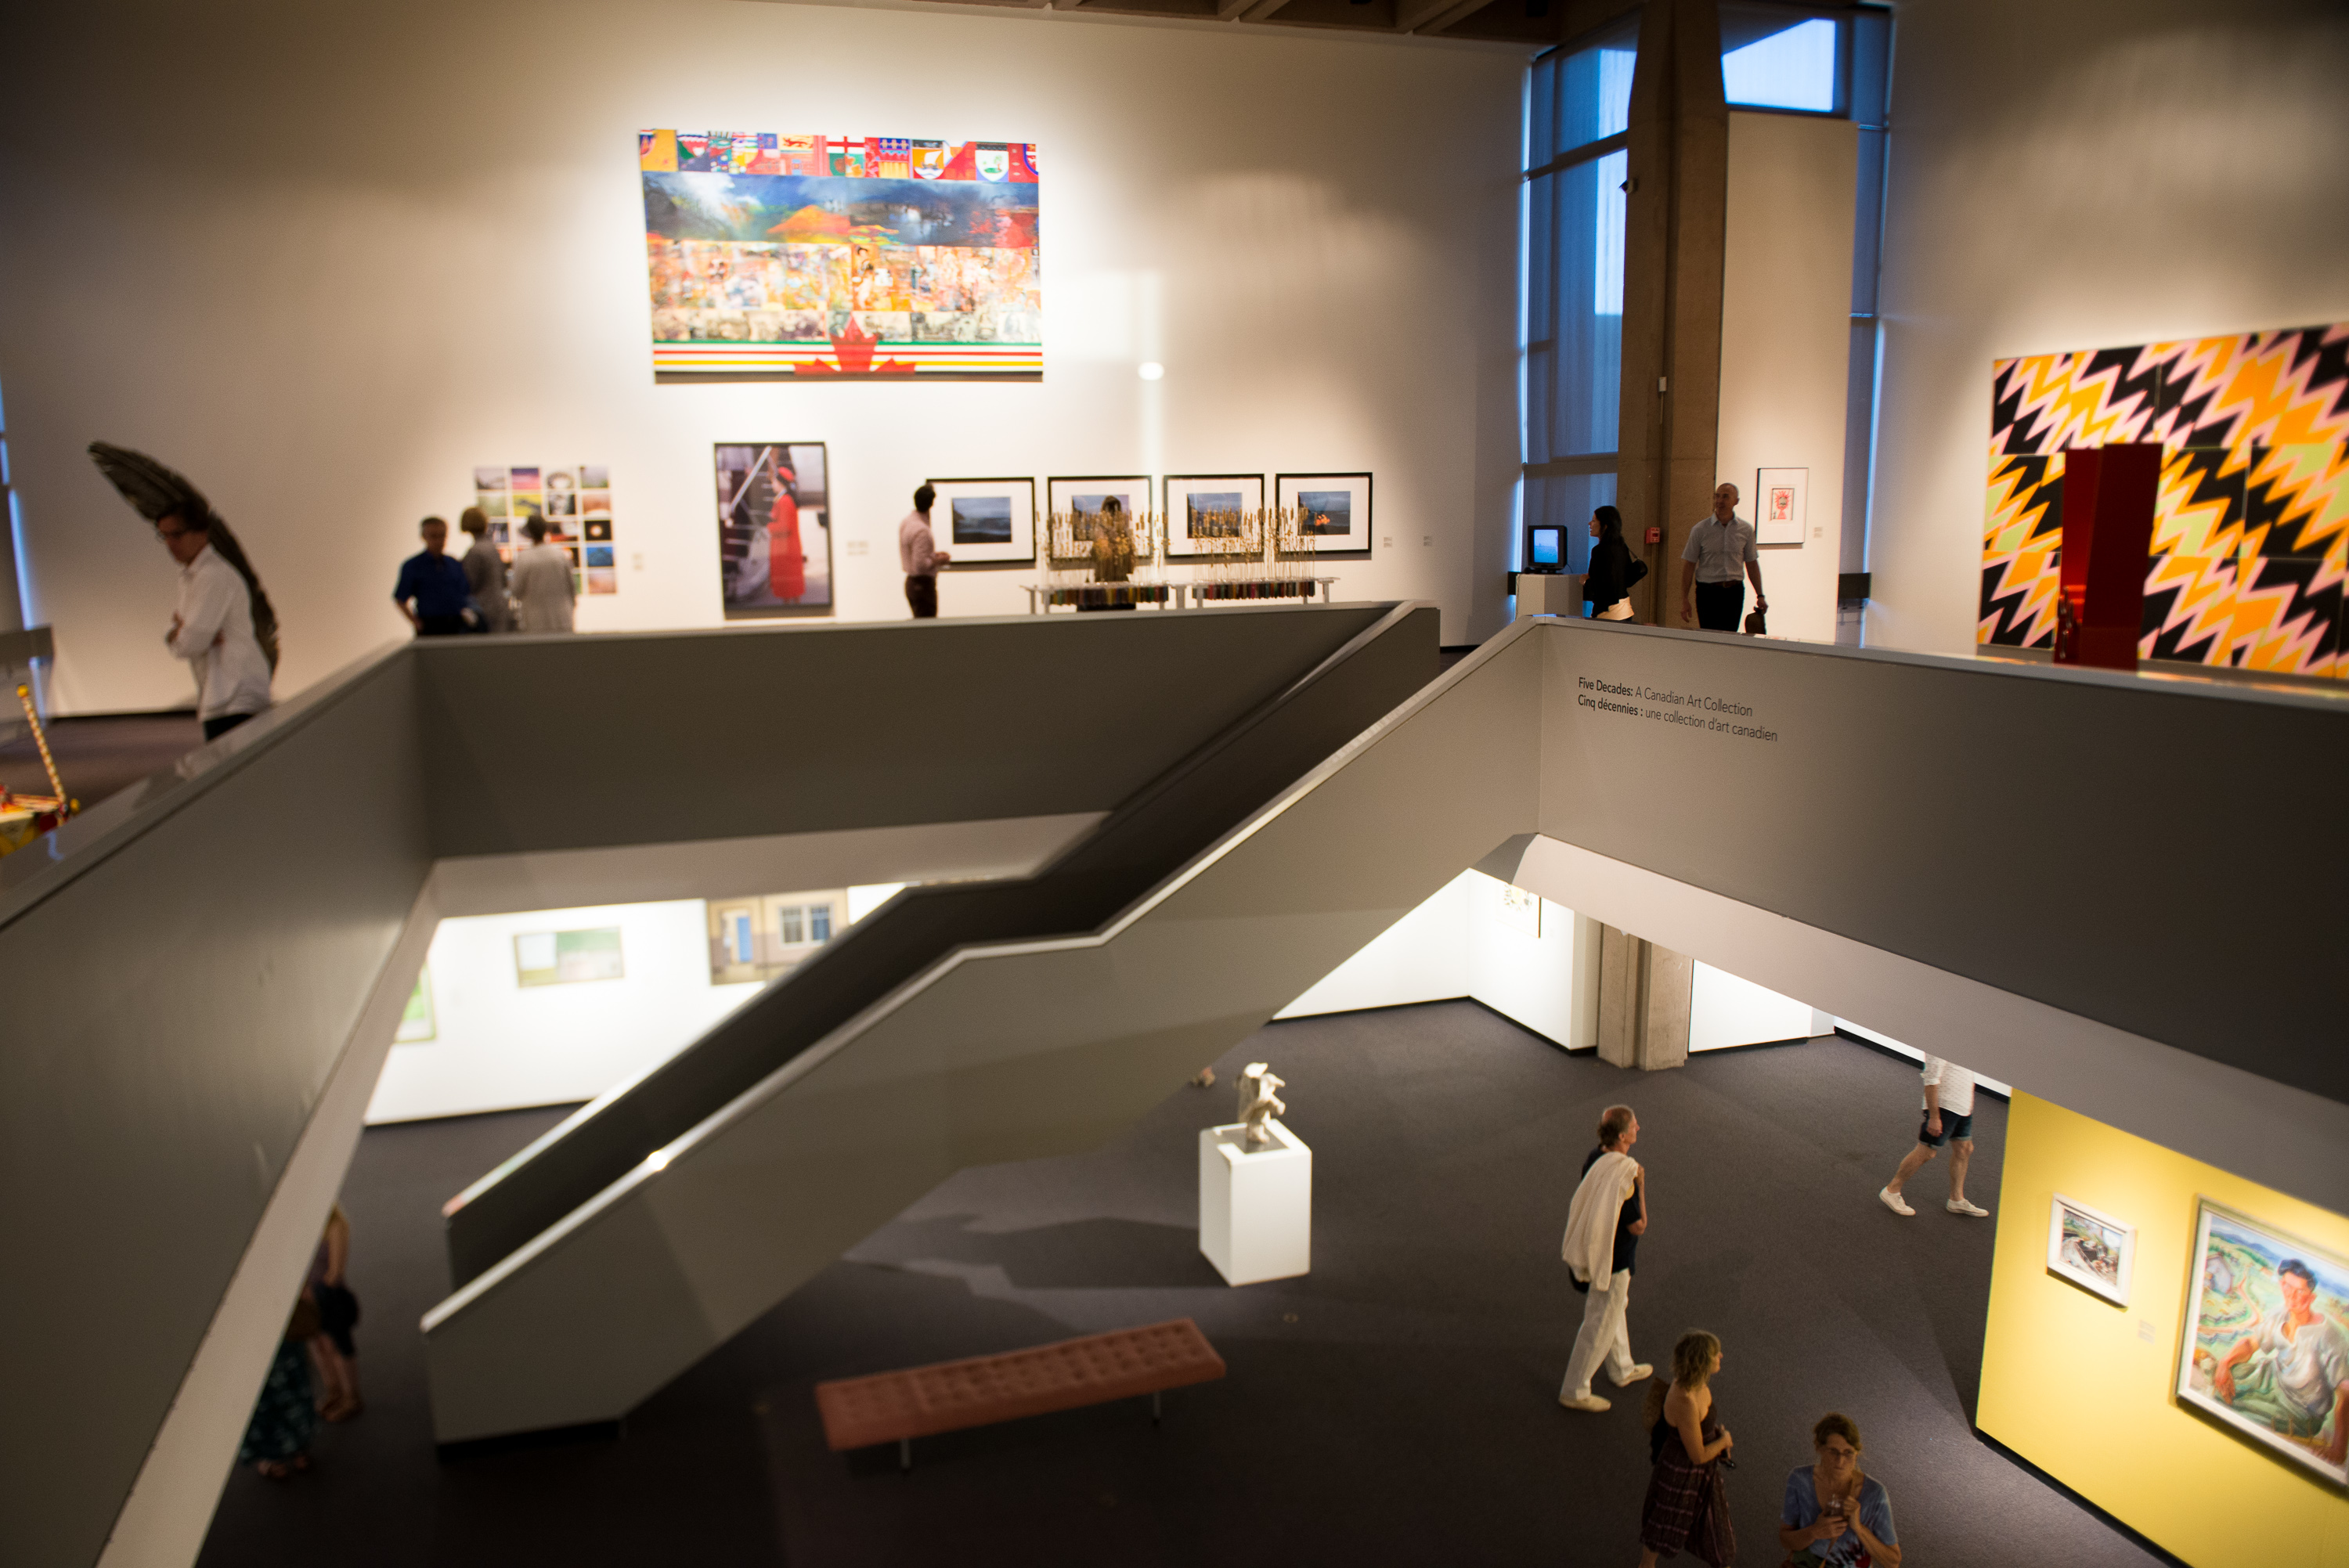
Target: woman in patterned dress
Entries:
(1687, 1506)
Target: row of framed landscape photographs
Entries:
(2265, 1349)
(991, 523)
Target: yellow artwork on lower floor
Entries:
(2084, 1388)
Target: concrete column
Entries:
(1676, 228)
(1644, 995)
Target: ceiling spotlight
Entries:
(1151, 370)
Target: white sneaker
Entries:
(1590, 1402)
(1959, 1206)
(1894, 1200)
(1640, 1373)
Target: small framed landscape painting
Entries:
(1214, 515)
(985, 523)
(2266, 1347)
(2091, 1250)
(1080, 500)
(1337, 512)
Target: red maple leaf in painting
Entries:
(852, 356)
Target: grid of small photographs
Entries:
(576, 504)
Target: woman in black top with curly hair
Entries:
(1607, 585)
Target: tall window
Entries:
(16, 584)
(1578, 110)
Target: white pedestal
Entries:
(1545, 594)
(1256, 1206)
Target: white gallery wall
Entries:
(2077, 175)
(326, 262)
(1785, 344)
(1464, 941)
(498, 1044)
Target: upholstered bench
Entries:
(923, 1402)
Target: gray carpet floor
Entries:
(1397, 1405)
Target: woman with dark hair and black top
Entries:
(1607, 585)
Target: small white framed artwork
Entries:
(2091, 1249)
(1218, 515)
(985, 523)
(1336, 508)
(1081, 499)
(1780, 505)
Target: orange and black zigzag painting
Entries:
(2253, 524)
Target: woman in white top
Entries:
(542, 587)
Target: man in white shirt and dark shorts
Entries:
(1949, 1119)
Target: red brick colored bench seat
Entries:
(923, 1402)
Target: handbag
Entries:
(1636, 573)
(1753, 628)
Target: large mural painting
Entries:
(2252, 522)
(782, 255)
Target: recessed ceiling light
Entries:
(1151, 370)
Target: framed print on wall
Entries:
(1081, 498)
(2266, 1347)
(2091, 1250)
(774, 529)
(1780, 502)
(985, 523)
(1212, 515)
(1337, 509)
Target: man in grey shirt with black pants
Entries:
(1720, 552)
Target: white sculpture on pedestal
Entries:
(1259, 1102)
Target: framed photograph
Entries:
(1082, 498)
(774, 529)
(567, 957)
(1779, 497)
(1337, 509)
(985, 523)
(2091, 1250)
(1212, 515)
(2266, 1347)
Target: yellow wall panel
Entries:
(2070, 1382)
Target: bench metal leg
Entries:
(1154, 1411)
(904, 1456)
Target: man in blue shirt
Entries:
(432, 591)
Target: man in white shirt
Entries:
(211, 628)
(1720, 551)
(1949, 1119)
(919, 557)
(1603, 1227)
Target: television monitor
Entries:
(1544, 549)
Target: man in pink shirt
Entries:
(919, 557)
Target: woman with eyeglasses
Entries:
(1833, 1512)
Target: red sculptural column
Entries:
(2108, 499)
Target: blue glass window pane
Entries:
(1594, 96)
(1793, 67)
(819, 922)
(1574, 317)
